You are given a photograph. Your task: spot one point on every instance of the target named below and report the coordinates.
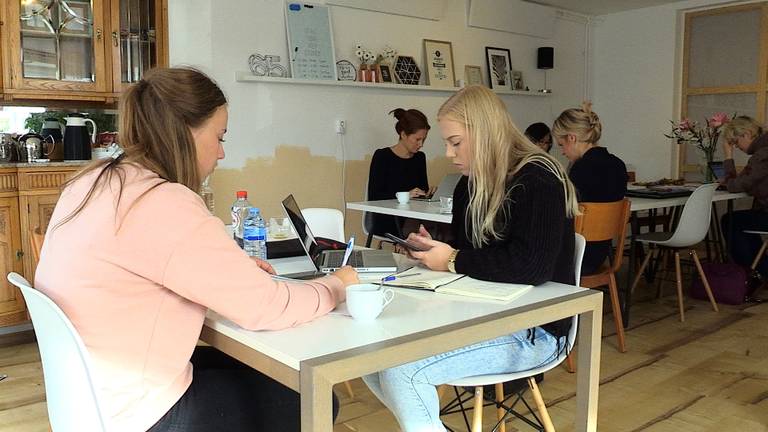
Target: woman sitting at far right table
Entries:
(750, 137)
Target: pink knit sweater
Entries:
(137, 282)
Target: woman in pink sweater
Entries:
(135, 260)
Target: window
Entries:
(725, 63)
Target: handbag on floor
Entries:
(730, 283)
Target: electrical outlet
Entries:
(341, 127)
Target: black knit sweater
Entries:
(389, 174)
(537, 243)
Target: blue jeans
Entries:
(409, 390)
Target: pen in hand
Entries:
(405, 276)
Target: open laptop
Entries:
(445, 188)
(327, 261)
(718, 169)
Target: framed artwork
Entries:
(346, 71)
(407, 71)
(439, 63)
(384, 73)
(517, 80)
(499, 64)
(473, 75)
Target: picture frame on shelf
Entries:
(407, 71)
(517, 80)
(346, 71)
(311, 52)
(384, 73)
(473, 75)
(499, 63)
(438, 63)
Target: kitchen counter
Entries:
(72, 163)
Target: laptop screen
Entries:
(718, 169)
(300, 225)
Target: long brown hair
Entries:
(156, 117)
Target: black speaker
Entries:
(545, 58)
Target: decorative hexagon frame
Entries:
(406, 70)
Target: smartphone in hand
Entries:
(405, 243)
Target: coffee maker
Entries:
(77, 140)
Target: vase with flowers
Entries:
(703, 137)
(366, 57)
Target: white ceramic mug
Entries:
(403, 197)
(366, 301)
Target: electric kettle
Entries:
(77, 141)
(53, 131)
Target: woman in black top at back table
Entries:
(540, 135)
(597, 175)
(401, 167)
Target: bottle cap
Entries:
(242, 194)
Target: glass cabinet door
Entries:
(60, 45)
(138, 28)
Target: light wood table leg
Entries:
(588, 368)
(316, 402)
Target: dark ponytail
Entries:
(409, 121)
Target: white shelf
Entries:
(249, 77)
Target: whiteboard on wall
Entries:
(427, 9)
(310, 41)
(513, 16)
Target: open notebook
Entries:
(450, 283)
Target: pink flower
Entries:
(685, 124)
(717, 120)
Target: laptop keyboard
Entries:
(334, 260)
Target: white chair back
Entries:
(69, 388)
(484, 380)
(694, 221)
(579, 246)
(325, 222)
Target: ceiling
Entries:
(601, 7)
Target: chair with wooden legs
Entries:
(479, 381)
(691, 229)
(761, 252)
(605, 222)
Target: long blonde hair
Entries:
(499, 151)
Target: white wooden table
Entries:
(332, 349)
(431, 211)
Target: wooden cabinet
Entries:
(79, 50)
(28, 195)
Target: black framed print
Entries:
(499, 62)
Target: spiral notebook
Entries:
(456, 284)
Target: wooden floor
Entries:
(707, 374)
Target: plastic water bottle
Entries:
(255, 234)
(239, 213)
(207, 194)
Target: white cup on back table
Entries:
(366, 301)
(403, 197)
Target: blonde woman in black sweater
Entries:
(513, 222)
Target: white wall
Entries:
(219, 38)
(636, 83)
